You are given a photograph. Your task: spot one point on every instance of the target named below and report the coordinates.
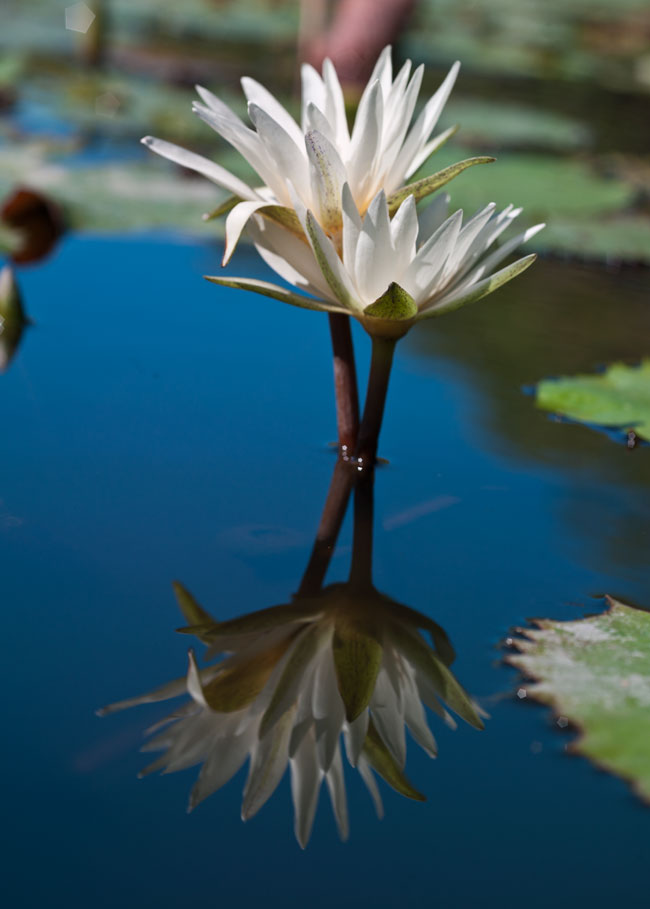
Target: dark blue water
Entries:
(156, 427)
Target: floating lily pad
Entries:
(595, 673)
(618, 397)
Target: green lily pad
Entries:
(619, 397)
(595, 673)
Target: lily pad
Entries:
(595, 673)
(618, 397)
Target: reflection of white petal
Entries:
(387, 717)
(369, 779)
(306, 777)
(224, 760)
(355, 736)
(268, 763)
(336, 785)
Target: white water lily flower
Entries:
(389, 273)
(313, 160)
(296, 678)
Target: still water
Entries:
(157, 428)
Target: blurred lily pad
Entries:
(595, 673)
(115, 197)
(494, 124)
(618, 397)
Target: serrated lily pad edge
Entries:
(522, 643)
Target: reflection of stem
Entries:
(373, 412)
(328, 530)
(345, 382)
(361, 568)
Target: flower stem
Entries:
(331, 520)
(345, 383)
(373, 412)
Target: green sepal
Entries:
(357, 660)
(223, 209)
(384, 763)
(286, 217)
(195, 614)
(395, 305)
(237, 687)
(422, 188)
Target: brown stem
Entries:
(373, 412)
(331, 520)
(345, 383)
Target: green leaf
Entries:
(619, 397)
(428, 185)
(595, 673)
(384, 763)
(357, 660)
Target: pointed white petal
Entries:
(313, 91)
(289, 256)
(352, 226)
(290, 159)
(429, 149)
(376, 264)
(365, 145)
(404, 230)
(194, 687)
(327, 177)
(480, 289)
(335, 106)
(200, 165)
(235, 223)
(263, 98)
(422, 128)
(331, 266)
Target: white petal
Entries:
(306, 778)
(331, 266)
(427, 150)
(376, 264)
(263, 98)
(476, 290)
(422, 128)
(290, 158)
(383, 70)
(313, 91)
(404, 230)
(426, 268)
(194, 686)
(235, 223)
(365, 145)
(351, 229)
(335, 105)
(247, 143)
(200, 165)
(327, 177)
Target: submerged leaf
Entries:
(595, 673)
(619, 397)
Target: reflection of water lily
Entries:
(428, 268)
(313, 161)
(295, 678)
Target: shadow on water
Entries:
(562, 320)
